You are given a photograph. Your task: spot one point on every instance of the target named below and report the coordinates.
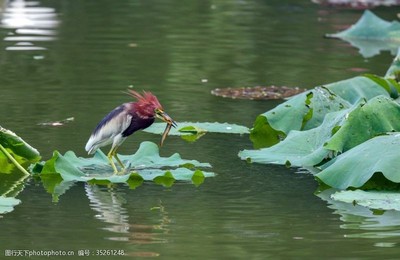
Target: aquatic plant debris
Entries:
(258, 92)
(58, 123)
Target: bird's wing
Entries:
(113, 124)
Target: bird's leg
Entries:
(119, 161)
(110, 158)
(111, 154)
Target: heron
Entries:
(123, 121)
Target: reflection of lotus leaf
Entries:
(371, 35)
(371, 223)
(7, 204)
(357, 3)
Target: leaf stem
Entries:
(12, 159)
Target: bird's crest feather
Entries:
(147, 98)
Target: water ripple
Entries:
(29, 24)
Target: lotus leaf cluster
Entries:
(345, 132)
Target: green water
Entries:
(82, 55)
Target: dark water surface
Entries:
(61, 59)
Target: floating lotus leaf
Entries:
(307, 110)
(145, 165)
(351, 145)
(378, 116)
(299, 148)
(356, 166)
(339, 132)
(371, 34)
(384, 200)
(190, 128)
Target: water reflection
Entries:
(111, 208)
(377, 224)
(30, 24)
(11, 186)
(371, 48)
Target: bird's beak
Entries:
(170, 122)
(165, 117)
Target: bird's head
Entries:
(148, 106)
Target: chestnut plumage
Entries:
(123, 121)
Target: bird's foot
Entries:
(123, 171)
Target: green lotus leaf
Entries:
(272, 126)
(377, 116)
(394, 70)
(167, 179)
(340, 131)
(146, 163)
(192, 129)
(299, 148)
(383, 200)
(356, 166)
(15, 151)
(371, 34)
(198, 178)
(307, 110)
(188, 128)
(16, 146)
(357, 114)
(193, 137)
(134, 181)
(390, 85)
